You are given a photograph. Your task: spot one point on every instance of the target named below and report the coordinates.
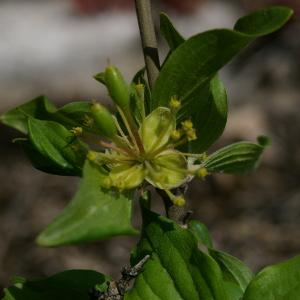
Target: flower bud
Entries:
(117, 87)
(104, 120)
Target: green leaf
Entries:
(71, 284)
(167, 29)
(236, 158)
(233, 269)
(93, 214)
(17, 118)
(200, 232)
(176, 270)
(100, 77)
(71, 115)
(264, 21)
(54, 149)
(193, 64)
(209, 116)
(278, 282)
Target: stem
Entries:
(148, 37)
(179, 214)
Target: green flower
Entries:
(144, 153)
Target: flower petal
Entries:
(127, 176)
(168, 170)
(157, 128)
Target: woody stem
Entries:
(148, 37)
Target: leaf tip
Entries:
(263, 141)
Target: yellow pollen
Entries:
(202, 172)
(179, 201)
(77, 131)
(191, 134)
(175, 135)
(187, 125)
(174, 103)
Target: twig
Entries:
(148, 37)
(117, 289)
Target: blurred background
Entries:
(54, 47)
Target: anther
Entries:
(77, 131)
(174, 103)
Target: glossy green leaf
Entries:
(233, 291)
(71, 284)
(17, 118)
(176, 270)
(63, 153)
(234, 270)
(201, 233)
(236, 158)
(71, 115)
(193, 64)
(100, 77)
(278, 282)
(264, 21)
(93, 214)
(167, 29)
(209, 115)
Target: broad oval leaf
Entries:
(17, 118)
(192, 65)
(63, 153)
(169, 32)
(209, 116)
(71, 284)
(234, 270)
(264, 21)
(278, 282)
(176, 270)
(236, 158)
(201, 233)
(71, 115)
(93, 214)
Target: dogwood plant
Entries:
(155, 135)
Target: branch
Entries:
(148, 37)
(117, 289)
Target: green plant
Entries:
(157, 136)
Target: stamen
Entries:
(174, 103)
(77, 131)
(122, 133)
(129, 129)
(112, 146)
(202, 172)
(177, 200)
(140, 89)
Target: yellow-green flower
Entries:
(144, 152)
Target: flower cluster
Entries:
(137, 152)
